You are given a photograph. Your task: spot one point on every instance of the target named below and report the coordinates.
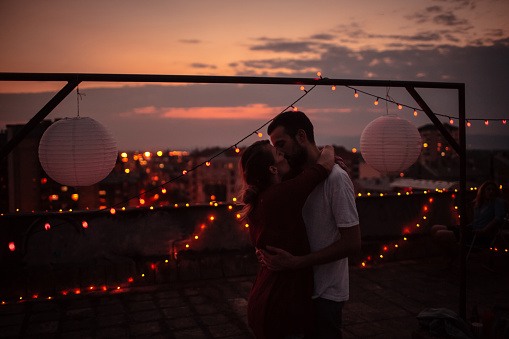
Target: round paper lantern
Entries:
(77, 151)
(390, 144)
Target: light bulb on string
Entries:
(294, 108)
(415, 112)
(333, 87)
(486, 122)
(302, 88)
(400, 106)
(356, 94)
(469, 123)
(376, 102)
(319, 74)
(504, 121)
(260, 134)
(451, 121)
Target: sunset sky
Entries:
(428, 40)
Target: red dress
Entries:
(280, 302)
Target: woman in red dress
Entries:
(280, 301)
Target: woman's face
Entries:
(281, 163)
(490, 192)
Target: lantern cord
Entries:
(79, 96)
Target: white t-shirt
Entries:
(331, 205)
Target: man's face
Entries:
(293, 151)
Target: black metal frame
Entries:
(74, 79)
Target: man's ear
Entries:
(301, 136)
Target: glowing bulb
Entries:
(486, 122)
(184, 172)
(187, 245)
(237, 150)
(163, 190)
(123, 155)
(415, 113)
(356, 94)
(451, 121)
(212, 218)
(354, 150)
(469, 124)
(238, 216)
(504, 122)
(159, 153)
(247, 225)
(142, 201)
(302, 88)
(333, 87)
(12, 246)
(376, 102)
(295, 109)
(113, 211)
(319, 74)
(84, 224)
(260, 134)
(47, 226)
(400, 106)
(207, 163)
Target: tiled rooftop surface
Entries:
(384, 302)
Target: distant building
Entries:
(435, 148)
(219, 180)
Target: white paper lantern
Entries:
(77, 151)
(390, 144)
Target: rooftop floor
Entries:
(384, 302)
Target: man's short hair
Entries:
(292, 121)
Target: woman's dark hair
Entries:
(480, 198)
(254, 165)
(293, 121)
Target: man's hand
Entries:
(277, 259)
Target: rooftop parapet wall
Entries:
(144, 232)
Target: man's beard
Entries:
(298, 159)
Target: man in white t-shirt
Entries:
(332, 224)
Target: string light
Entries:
(468, 123)
(451, 121)
(356, 94)
(486, 122)
(376, 102)
(333, 87)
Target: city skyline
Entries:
(444, 41)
